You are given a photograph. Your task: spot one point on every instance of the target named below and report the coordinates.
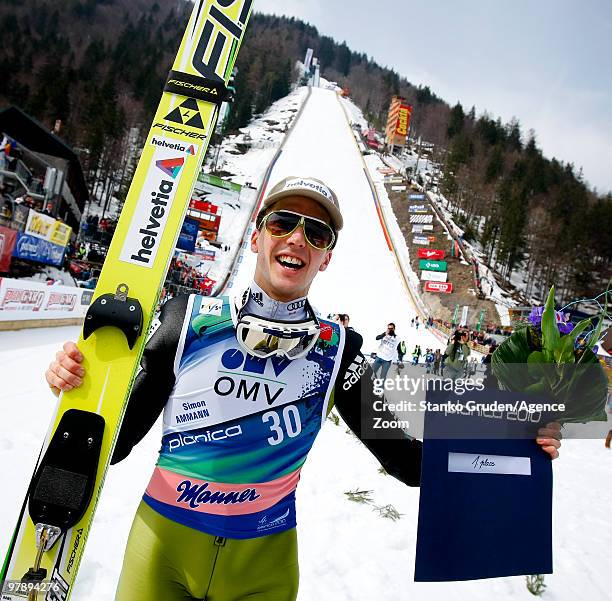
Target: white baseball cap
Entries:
(311, 188)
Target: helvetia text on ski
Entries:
(47, 545)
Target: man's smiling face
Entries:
(287, 266)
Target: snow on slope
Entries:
(347, 551)
(362, 279)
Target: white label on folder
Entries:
(480, 463)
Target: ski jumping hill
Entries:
(348, 551)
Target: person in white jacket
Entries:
(385, 352)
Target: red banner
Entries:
(8, 237)
(446, 287)
(431, 253)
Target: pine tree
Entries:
(456, 122)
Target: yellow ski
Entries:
(47, 546)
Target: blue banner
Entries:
(188, 236)
(36, 249)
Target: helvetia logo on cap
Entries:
(171, 167)
(304, 183)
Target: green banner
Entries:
(480, 320)
(432, 265)
(206, 178)
(455, 314)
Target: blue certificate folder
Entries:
(475, 522)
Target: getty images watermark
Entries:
(459, 387)
(415, 404)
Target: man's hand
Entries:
(549, 438)
(65, 373)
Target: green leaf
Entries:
(536, 357)
(550, 332)
(564, 353)
(536, 363)
(539, 388)
(595, 337)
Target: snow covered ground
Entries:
(347, 551)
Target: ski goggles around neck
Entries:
(282, 223)
(266, 337)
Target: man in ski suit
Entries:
(245, 385)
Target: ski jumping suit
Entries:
(217, 521)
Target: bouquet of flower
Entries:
(550, 357)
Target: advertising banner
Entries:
(434, 276)
(421, 218)
(308, 59)
(39, 225)
(39, 250)
(8, 238)
(430, 253)
(157, 195)
(445, 287)
(417, 229)
(415, 196)
(60, 233)
(398, 121)
(403, 121)
(47, 228)
(22, 299)
(417, 209)
(420, 240)
(219, 188)
(432, 265)
(206, 254)
(428, 228)
(188, 236)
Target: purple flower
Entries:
(535, 317)
(563, 324)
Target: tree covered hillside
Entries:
(100, 65)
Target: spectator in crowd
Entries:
(471, 366)
(416, 354)
(429, 360)
(385, 352)
(401, 351)
(437, 361)
(457, 353)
